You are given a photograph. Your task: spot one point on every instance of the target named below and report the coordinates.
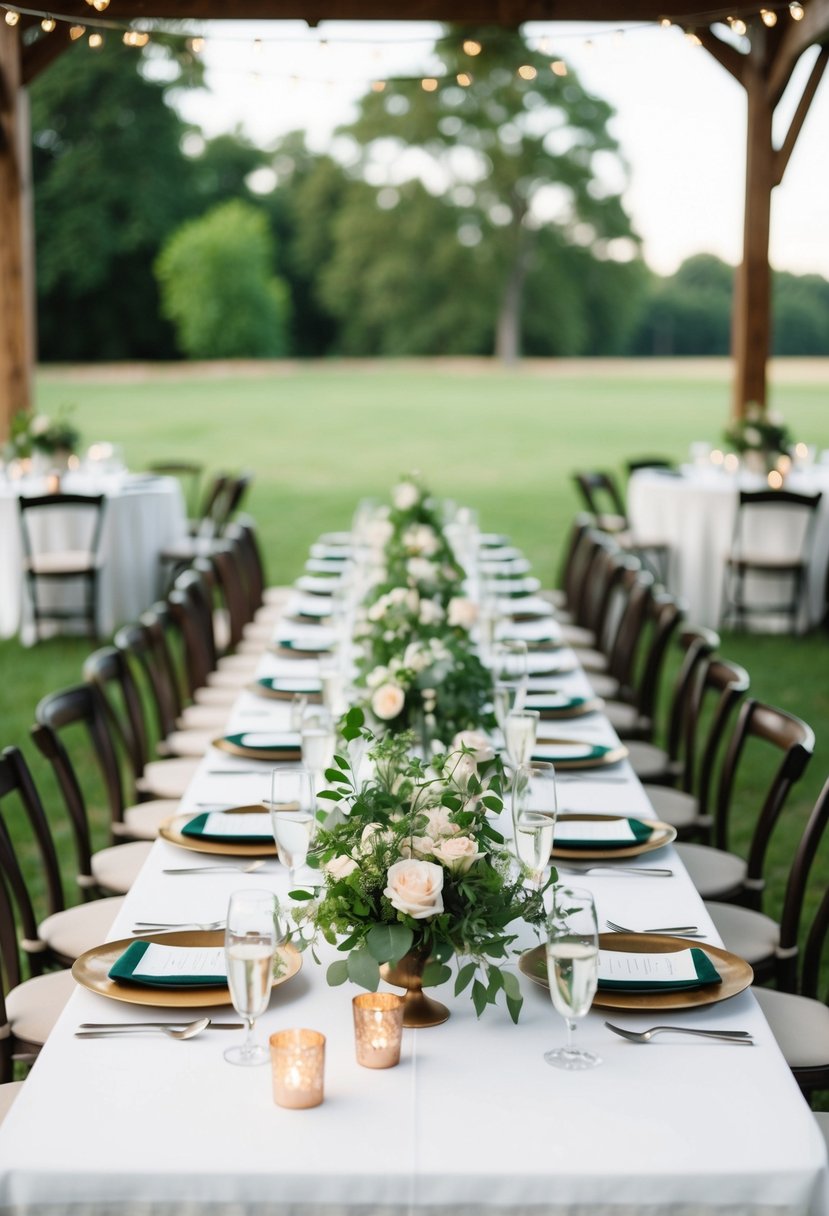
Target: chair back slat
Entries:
(807, 850)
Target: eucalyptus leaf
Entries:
(337, 973)
(388, 943)
(464, 977)
(363, 969)
(435, 973)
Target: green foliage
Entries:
(217, 287)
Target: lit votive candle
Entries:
(731, 462)
(775, 479)
(716, 456)
(53, 483)
(298, 1062)
(378, 1027)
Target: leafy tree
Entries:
(218, 287)
(107, 149)
(519, 155)
(219, 172)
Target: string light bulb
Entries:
(665, 23)
(768, 16)
(527, 71)
(796, 11)
(96, 41)
(100, 6)
(464, 79)
(737, 26)
(558, 67)
(12, 17)
(693, 38)
(136, 38)
(196, 45)
(471, 47)
(378, 86)
(48, 24)
(76, 32)
(429, 84)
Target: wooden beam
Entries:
(16, 333)
(797, 37)
(782, 156)
(726, 56)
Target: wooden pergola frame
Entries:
(764, 71)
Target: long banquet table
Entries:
(472, 1120)
(144, 514)
(693, 513)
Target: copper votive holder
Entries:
(297, 1062)
(378, 1028)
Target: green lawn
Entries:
(320, 436)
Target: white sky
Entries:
(680, 120)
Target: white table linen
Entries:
(142, 515)
(471, 1120)
(694, 515)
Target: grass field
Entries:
(320, 436)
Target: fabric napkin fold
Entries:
(200, 829)
(702, 969)
(124, 971)
(641, 832)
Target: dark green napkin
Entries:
(123, 968)
(706, 974)
(275, 684)
(640, 830)
(597, 752)
(195, 828)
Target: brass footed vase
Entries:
(419, 1010)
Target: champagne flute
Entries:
(572, 969)
(318, 742)
(291, 808)
(534, 810)
(251, 937)
(509, 673)
(519, 735)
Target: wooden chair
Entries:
(111, 870)
(29, 1007)
(613, 675)
(753, 557)
(603, 500)
(634, 718)
(595, 571)
(267, 601)
(189, 473)
(57, 939)
(717, 688)
(717, 873)
(771, 946)
(664, 463)
(651, 762)
(48, 562)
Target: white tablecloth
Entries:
(472, 1120)
(142, 516)
(694, 515)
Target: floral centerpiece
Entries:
(30, 433)
(761, 431)
(415, 655)
(414, 869)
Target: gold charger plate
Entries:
(588, 706)
(170, 830)
(283, 694)
(279, 755)
(662, 834)
(91, 970)
(735, 973)
(293, 652)
(610, 755)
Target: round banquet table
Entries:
(143, 514)
(693, 514)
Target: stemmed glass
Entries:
(318, 742)
(251, 938)
(509, 674)
(520, 727)
(291, 808)
(572, 968)
(534, 810)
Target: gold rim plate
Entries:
(277, 694)
(735, 973)
(170, 830)
(662, 834)
(286, 755)
(612, 756)
(570, 711)
(91, 970)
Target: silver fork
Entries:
(150, 926)
(677, 930)
(248, 869)
(645, 1036)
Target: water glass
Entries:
(291, 807)
(534, 810)
(251, 938)
(572, 969)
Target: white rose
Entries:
(421, 569)
(377, 677)
(457, 853)
(405, 495)
(415, 657)
(416, 888)
(421, 847)
(378, 609)
(462, 613)
(340, 867)
(373, 835)
(753, 436)
(431, 612)
(475, 742)
(387, 701)
(378, 533)
(438, 823)
(462, 767)
(421, 538)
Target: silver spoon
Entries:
(91, 1030)
(645, 1036)
(248, 869)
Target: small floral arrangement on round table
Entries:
(415, 873)
(31, 433)
(761, 431)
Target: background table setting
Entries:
(472, 1118)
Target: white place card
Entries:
(669, 968)
(252, 823)
(171, 962)
(615, 830)
(570, 750)
(282, 738)
(297, 683)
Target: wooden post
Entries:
(16, 290)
